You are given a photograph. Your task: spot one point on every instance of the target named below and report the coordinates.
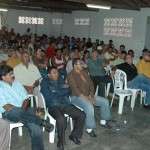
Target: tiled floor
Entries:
(134, 135)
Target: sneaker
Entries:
(147, 106)
(107, 126)
(48, 127)
(91, 134)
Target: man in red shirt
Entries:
(50, 51)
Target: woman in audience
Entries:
(65, 52)
(85, 57)
(13, 59)
(60, 62)
(41, 62)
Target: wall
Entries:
(95, 30)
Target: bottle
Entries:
(118, 126)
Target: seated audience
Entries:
(29, 75)
(122, 48)
(20, 50)
(120, 58)
(85, 57)
(65, 52)
(143, 66)
(144, 51)
(13, 59)
(4, 135)
(13, 104)
(110, 56)
(98, 73)
(60, 62)
(83, 97)
(135, 80)
(136, 59)
(4, 55)
(69, 63)
(56, 93)
(50, 51)
(41, 62)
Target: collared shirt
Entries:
(143, 67)
(27, 76)
(14, 95)
(118, 61)
(95, 68)
(78, 86)
(54, 93)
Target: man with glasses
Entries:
(135, 80)
(83, 97)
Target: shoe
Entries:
(60, 147)
(75, 140)
(147, 106)
(48, 127)
(107, 126)
(91, 134)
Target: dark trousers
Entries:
(102, 81)
(31, 121)
(61, 122)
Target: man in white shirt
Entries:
(29, 75)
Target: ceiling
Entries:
(67, 6)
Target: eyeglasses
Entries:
(81, 64)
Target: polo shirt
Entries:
(27, 76)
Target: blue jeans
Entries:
(88, 108)
(143, 83)
(31, 121)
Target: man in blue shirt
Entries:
(13, 104)
(98, 73)
(56, 93)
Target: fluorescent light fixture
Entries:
(98, 6)
(1, 9)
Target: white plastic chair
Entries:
(107, 87)
(53, 121)
(14, 125)
(120, 88)
(31, 97)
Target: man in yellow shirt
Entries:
(13, 59)
(143, 66)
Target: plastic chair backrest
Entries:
(120, 80)
(44, 104)
(0, 115)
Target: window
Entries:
(57, 21)
(30, 20)
(82, 21)
(121, 27)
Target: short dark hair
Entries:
(4, 70)
(86, 52)
(74, 61)
(50, 68)
(122, 46)
(145, 50)
(130, 51)
(58, 49)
